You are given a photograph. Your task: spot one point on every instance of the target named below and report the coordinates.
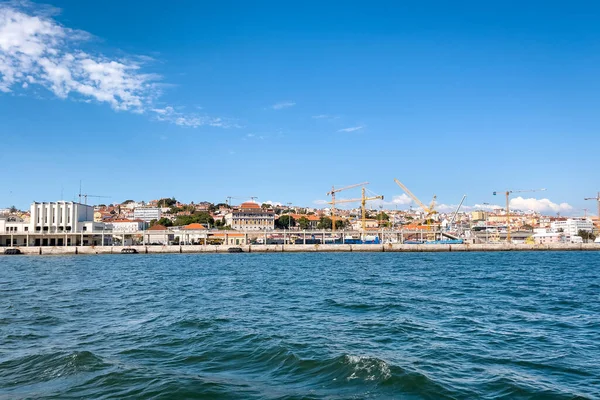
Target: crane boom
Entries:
(363, 201)
(507, 193)
(334, 190)
(412, 196)
(332, 193)
(457, 208)
(597, 198)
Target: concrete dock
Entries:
(308, 248)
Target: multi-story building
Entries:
(571, 226)
(147, 213)
(61, 223)
(250, 216)
(478, 215)
(127, 225)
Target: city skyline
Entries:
(266, 100)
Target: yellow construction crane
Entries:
(597, 198)
(363, 203)
(429, 210)
(333, 202)
(507, 193)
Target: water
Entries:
(301, 326)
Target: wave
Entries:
(44, 367)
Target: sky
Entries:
(203, 100)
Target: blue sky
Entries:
(204, 100)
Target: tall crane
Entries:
(363, 203)
(332, 193)
(597, 198)
(456, 212)
(429, 210)
(507, 193)
(85, 196)
(228, 199)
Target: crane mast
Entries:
(332, 193)
(363, 202)
(507, 193)
(597, 198)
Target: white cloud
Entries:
(35, 50)
(484, 207)
(541, 205)
(402, 199)
(321, 202)
(169, 114)
(273, 203)
(282, 105)
(351, 129)
(324, 116)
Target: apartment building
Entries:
(250, 216)
(571, 226)
(61, 223)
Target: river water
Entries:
(301, 326)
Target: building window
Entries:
(26, 228)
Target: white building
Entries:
(572, 226)
(127, 225)
(250, 216)
(543, 238)
(147, 213)
(60, 223)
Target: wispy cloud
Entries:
(253, 136)
(169, 114)
(351, 129)
(283, 104)
(325, 116)
(35, 50)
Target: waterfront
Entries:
(369, 325)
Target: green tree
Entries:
(127, 201)
(303, 222)
(203, 218)
(284, 221)
(324, 223)
(382, 216)
(341, 224)
(164, 222)
(13, 210)
(166, 202)
(585, 235)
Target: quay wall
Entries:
(296, 248)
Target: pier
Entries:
(306, 248)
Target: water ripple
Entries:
(301, 326)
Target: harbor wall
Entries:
(297, 248)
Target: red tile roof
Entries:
(158, 227)
(249, 204)
(195, 226)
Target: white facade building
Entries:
(572, 226)
(250, 216)
(60, 223)
(147, 213)
(127, 225)
(543, 238)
